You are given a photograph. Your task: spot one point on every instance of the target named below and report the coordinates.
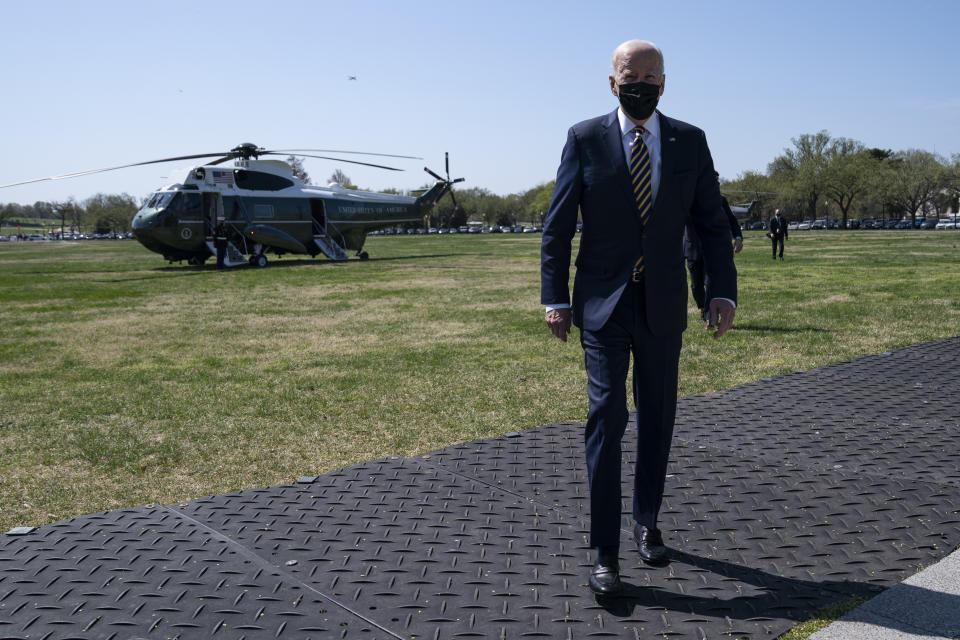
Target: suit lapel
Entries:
(668, 149)
(613, 141)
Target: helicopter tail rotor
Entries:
(444, 183)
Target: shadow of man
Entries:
(779, 597)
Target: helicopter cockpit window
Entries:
(185, 204)
(192, 205)
(159, 200)
(260, 181)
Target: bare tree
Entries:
(340, 177)
(296, 168)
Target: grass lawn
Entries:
(125, 381)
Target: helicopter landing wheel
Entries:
(259, 261)
(196, 262)
(364, 255)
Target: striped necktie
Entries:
(640, 177)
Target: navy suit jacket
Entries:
(593, 179)
(691, 242)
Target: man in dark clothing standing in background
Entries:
(692, 249)
(778, 232)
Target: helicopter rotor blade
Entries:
(307, 155)
(434, 175)
(454, 198)
(446, 160)
(362, 153)
(122, 166)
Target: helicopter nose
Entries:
(143, 221)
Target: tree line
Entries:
(818, 177)
(839, 178)
(101, 213)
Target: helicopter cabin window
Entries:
(263, 211)
(260, 181)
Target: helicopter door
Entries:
(319, 217)
(212, 210)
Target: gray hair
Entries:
(630, 45)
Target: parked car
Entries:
(853, 223)
(758, 225)
(929, 223)
(805, 225)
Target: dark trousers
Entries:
(697, 282)
(777, 239)
(655, 359)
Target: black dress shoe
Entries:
(605, 576)
(649, 544)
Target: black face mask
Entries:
(639, 99)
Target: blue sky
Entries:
(496, 83)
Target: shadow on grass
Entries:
(317, 262)
(194, 271)
(763, 329)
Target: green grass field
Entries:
(125, 381)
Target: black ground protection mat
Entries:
(768, 521)
(791, 521)
(895, 415)
(150, 573)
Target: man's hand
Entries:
(720, 316)
(559, 322)
(737, 245)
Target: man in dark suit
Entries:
(699, 286)
(778, 232)
(637, 177)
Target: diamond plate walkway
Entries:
(785, 495)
